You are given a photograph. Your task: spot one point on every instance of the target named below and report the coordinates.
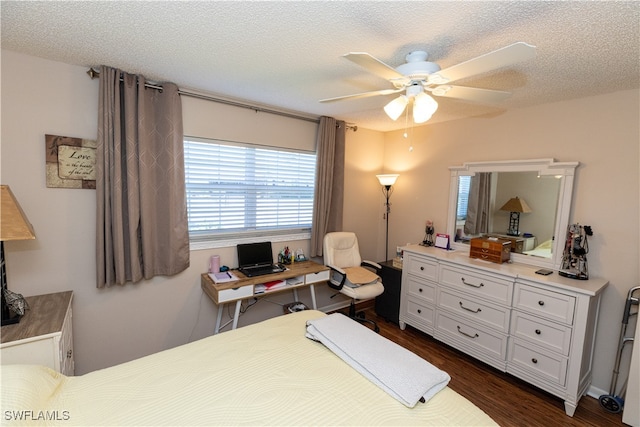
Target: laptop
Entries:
(256, 259)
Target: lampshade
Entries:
(14, 224)
(516, 204)
(423, 107)
(396, 107)
(387, 179)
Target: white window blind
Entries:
(236, 191)
(464, 182)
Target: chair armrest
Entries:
(337, 277)
(371, 264)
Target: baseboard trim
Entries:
(596, 392)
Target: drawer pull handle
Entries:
(540, 303)
(421, 268)
(419, 311)
(69, 353)
(534, 360)
(468, 309)
(471, 284)
(538, 332)
(466, 334)
(420, 290)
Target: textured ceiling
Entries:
(287, 55)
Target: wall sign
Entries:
(70, 162)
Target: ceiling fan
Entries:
(418, 76)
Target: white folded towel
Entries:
(396, 370)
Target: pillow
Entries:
(28, 387)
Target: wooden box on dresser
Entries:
(44, 335)
(540, 329)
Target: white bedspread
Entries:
(263, 374)
(401, 373)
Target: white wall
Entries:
(116, 324)
(600, 132)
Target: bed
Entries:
(543, 250)
(268, 373)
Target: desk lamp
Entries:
(14, 225)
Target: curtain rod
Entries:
(94, 74)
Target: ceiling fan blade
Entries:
(363, 95)
(373, 65)
(500, 58)
(486, 96)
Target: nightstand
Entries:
(44, 335)
(387, 304)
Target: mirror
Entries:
(525, 201)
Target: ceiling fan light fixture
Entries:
(395, 108)
(423, 107)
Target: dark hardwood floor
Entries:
(506, 399)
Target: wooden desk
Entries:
(306, 273)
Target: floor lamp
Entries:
(14, 225)
(387, 181)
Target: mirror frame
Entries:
(564, 170)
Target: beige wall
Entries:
(363, 199)
(121, 323)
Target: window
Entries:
(464, 182)
(236, 191)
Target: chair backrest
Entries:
(341, 249)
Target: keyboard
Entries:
(261, 271)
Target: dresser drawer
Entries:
(420, 289)
(491, 315)
(550, 335)
(542, 364)
(473, 282)
(421, 266)
(421, 313)
(483, 339)
(547, 304)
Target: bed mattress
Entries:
(268, 373)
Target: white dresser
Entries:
(44, 335)
(538, 328)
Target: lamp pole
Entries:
(387, 181)
(387, 190)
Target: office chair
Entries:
(350, 274)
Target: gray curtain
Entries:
(479, 204)
(329, 194)
(142, 227)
